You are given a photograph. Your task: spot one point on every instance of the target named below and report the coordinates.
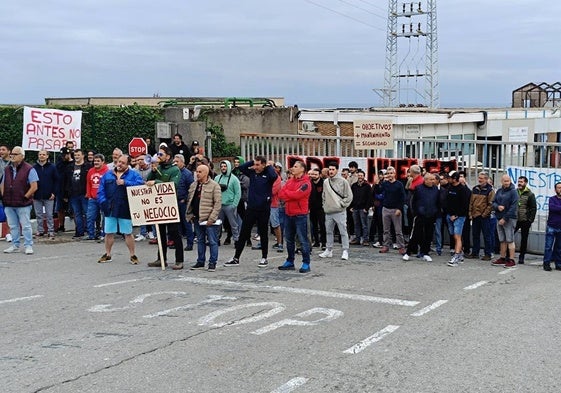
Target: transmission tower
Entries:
(411, 69)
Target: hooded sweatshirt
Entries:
(232, 191)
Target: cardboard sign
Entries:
(49, 129)
(153, 205)
(373, 134)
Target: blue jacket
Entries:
(507, 197)
(260, 186)
(426, 201)
(112, 197)
(184, 183)
(48, 181)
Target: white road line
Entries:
(300, 291)
(290, 385)
(121, 282)
(476, 285)
(429, 308)
(20, 299)
(510, 269)
(361, 346)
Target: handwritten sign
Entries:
(49, 129)
(373, 134)
(541, 181)
(153, 205)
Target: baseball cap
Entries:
(454, 175)
(65, 150)
(195, 143)
(163, 144)
(278, 164)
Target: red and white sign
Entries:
(137, 147)
(49, 129)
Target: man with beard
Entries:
(527, 209)
(457, 209)
(317, 215)
(44, 198)
(231, 195)
(92, 186)
(75, 190)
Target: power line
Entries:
(374, 5)
(363, 9)
(345, 15)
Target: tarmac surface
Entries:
(373, 323)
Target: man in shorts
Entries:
(505, 206)
(113, 199)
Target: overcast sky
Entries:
(312, 52)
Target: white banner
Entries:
(540, 180)
(153, 205)
(49, 129)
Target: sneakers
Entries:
(139, 238)
(395, 246)
(257, 246)
(227, 241)
(547, 267)
(509, 263)
(153, 241)
(28, 250)
(402, 251)
(276, 246)
(157, 263)
(198, 265)
(188, 247)
(499, 262)
(305, 268)
(211, 267)
(104, 258)
(151, 236)
(354, 242)
(134, 260)
(405, 257)
(345, 256)
(486, 258)
(427, 258)
(51, 236)
(287, 266)
(326, 254)
(377, 245)
(384, 250)
(11, 250)
(39, 234)
(521, 259)
(455, 261)
(365, 243)
(453, 264)
(280, 248)
(232, 262)
(472, 256)
(263, 262)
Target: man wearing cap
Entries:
(17, 189)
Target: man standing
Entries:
(480, 207)
(185, 181)
(425, 207)
(317, 215)
(178, 147)
(4, 159)
(296, 193)
(362, 201)
(336, 197)
(505, 206)
(113, 199)
(274, 217)
(62, 167)
(552, 251)
(457, 209)
(393, 194)
(92, 186)
(231, 195)
(203, 207)
(527, 209)
(75, 190)
(114, 156)
(261, 179)
(44, 198)
(17, 189)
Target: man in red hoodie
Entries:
(295, 193)
(92, 184)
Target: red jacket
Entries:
(93, 180)
(295, 193)
(275, 196)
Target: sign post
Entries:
(137, 147)
(154, 205)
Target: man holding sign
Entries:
(113, 199)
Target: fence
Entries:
(539, 161)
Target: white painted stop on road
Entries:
(137, 147)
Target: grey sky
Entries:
(308, 53)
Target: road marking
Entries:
(300, 291)
(290, 385)
(429, 308)
(361, 346)
(20, 299)
(510, 269)
(476, 285)
(121, 282)
(211, 298)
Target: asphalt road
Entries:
(370, 324)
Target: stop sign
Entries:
(137, 147)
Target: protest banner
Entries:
(49, 129)
(540, 180)
(373, 134)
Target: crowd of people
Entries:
(303, 209)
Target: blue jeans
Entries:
(360, 218)
(438, 234)
(205, 233)
(297, 226)
(552, 250)
(79, 206)
(94, 209)
(185, 227)
(20, 216)
(478, 225)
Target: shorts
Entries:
(455, 227)
(121, 225)
(506, 231)
(274, 218)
